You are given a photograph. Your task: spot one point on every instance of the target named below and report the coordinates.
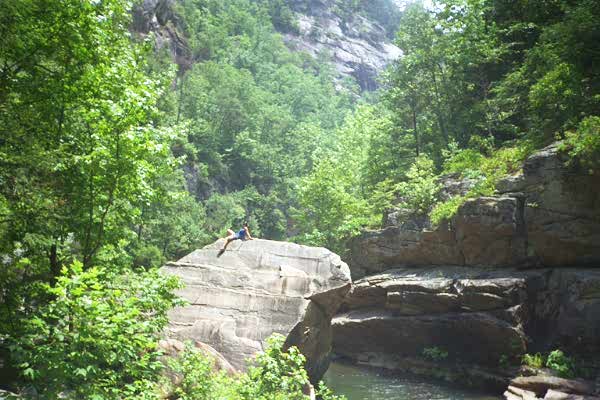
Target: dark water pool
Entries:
(361, 383)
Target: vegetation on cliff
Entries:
(480, 85)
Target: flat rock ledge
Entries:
(542, 387)
(474, 315)
(257, 288)
(468, 324)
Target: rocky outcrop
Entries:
(356, 45)
(359, 46)
(567, 311)
(473, 315)
(546, 216)
(472, 322)
(544, 387)
(159, 17)
(257, 288)
(561, 210)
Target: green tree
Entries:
(96, 336)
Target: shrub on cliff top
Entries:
(584, 143)
(487, 171)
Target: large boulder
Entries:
(256, 288)
(546, 216)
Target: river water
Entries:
(362, 383)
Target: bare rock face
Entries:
(543, 387)
(256, 288)
(484, 319)
(547, 216)
(358, 46)
(158, 16)
(474, 315)
(568, 310)
(561, 210)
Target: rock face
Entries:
(473, 315)
(542, 387)
(476, 319)
(547, 216)
(157, 16)
(567, 311)
(257, 288)
(358, 45)
(509, 274)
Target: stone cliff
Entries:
(257, 288)
(512, 273)
(482, 318)
(356, 44)
(159, 17)
(546, 216)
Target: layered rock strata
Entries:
(257, 288)
(545, 387)
(473, 315)
(471, 321)
(546, 216)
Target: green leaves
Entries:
(583, 144)
(419, 192)
(92, 337)
(273, 375)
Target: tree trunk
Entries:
(415, 131)
(54, 264)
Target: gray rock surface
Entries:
(547, 216)
(476, 315)
(483, 317)
(568, 310)
(549, 388)
(359, 46)
(158, 16)
(561, 210)
(256, 288)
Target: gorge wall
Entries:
(546, 216)
(356, 44)
(512, 273)
(359, 46)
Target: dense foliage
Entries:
(114, 159)
(97, 132)
(480, 85)
(274, 375)
(95, 334)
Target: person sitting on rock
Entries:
(242, 234)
